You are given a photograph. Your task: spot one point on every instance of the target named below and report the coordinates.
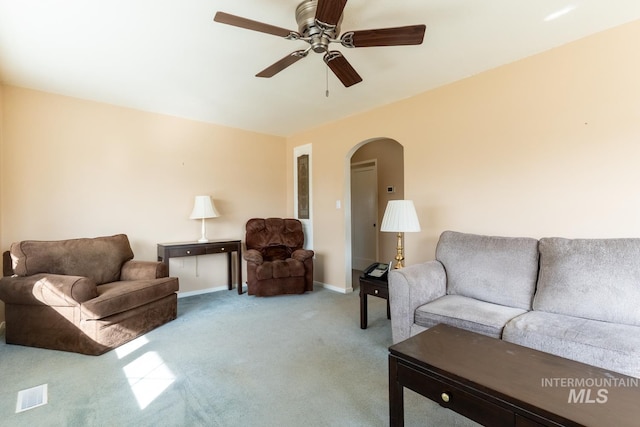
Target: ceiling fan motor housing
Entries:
(320, 34)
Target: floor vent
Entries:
(31, 398)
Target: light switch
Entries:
(338, 204)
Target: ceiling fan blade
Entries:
(328, 12)
(341, 68)
(409, 35)
(288, 60)
(238, 21)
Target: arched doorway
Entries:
(382, 158)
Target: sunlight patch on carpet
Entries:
(148, 377)
(128, 348)
(32, 398)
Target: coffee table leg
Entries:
(396, 395)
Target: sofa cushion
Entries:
(612, 346)
(595, 279)
(466, 313)
(500, 270)
(99, 259)
(118, 297)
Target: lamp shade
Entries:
(400, 216)
(203, 208)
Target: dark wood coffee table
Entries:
(497, 383)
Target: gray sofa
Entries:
(576, 298)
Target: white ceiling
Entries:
(168, 56)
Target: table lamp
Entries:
(400, 217)
(203, 208)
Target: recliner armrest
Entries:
(47, 289)
(253, 255)
(139, 270)
(302, 254)
(409, 288)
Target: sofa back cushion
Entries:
(99, 259)
(595, 279)
(500, 270)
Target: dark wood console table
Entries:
(497, 383)
(175, 250)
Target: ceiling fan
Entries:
(319, 25)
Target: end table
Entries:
(377, 288)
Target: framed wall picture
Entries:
(303, 186)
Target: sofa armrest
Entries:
(47, 289)
(409, 288)
(252, 255)
(302, 254)
(139, 270)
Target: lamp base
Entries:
(399, 256)
(203, 239)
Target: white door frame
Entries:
(348, 274)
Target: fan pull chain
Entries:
(327, 75)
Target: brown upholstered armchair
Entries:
(83, 295)
(276, 262)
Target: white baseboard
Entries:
(205, 291)
(333, 288)
(244, 288)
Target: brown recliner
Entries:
(276, 262)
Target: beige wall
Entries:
(73, 168)
(1, 177)
(545, 146)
